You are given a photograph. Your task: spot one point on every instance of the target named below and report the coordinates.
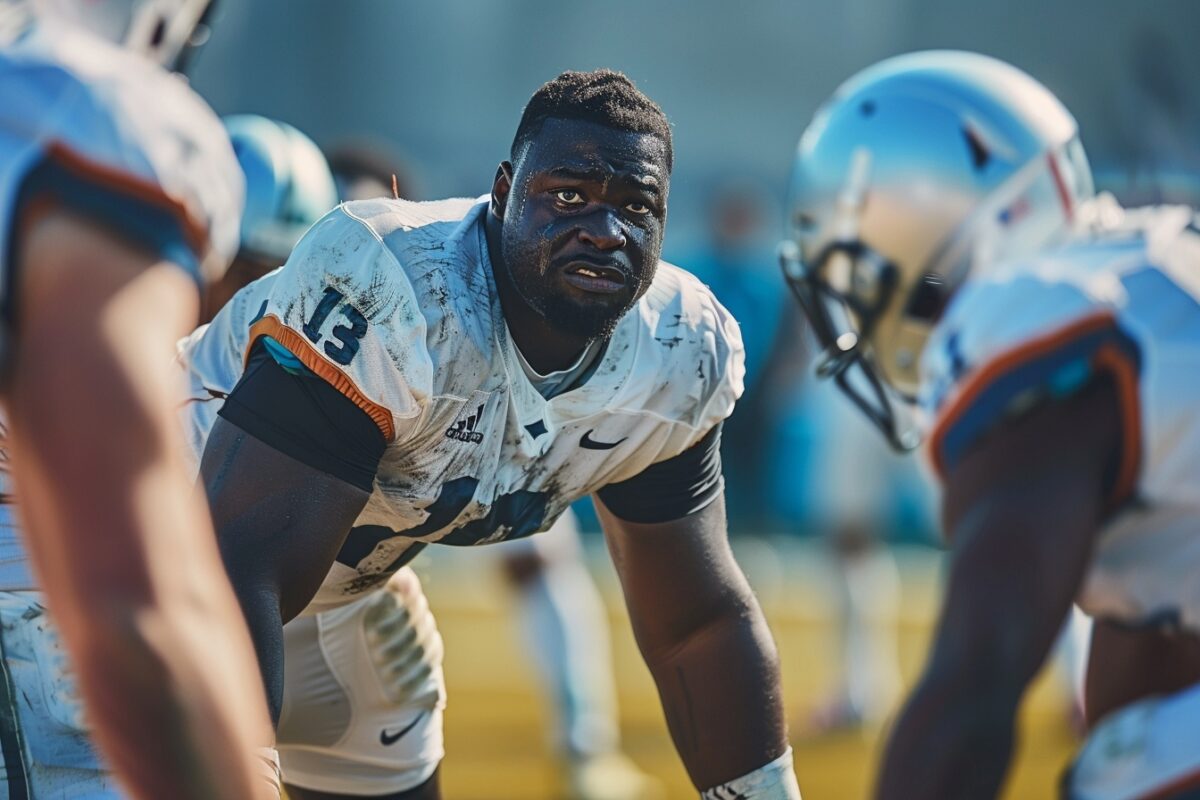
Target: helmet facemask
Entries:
(871, 315)
(842, 321)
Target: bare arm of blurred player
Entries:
(705, 640)
(121, 541)
(1021, 510)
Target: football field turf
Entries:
(496, 721)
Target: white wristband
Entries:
(773, 781)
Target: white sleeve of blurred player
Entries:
(119, 141)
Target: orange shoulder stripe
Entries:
(126, 183)
(302, 349)
(1109, 357)
(1188, 781)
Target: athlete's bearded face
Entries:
(584, 209)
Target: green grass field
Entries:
(496, 720)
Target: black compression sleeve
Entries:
(670, 489)
(304, 417)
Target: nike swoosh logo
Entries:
(588, 443)
(387, 739)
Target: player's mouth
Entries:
(594, 278)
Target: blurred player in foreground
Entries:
(943, 204)
(460, 372)
(560, 611)
(118, 195)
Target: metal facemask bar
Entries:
(831, 315)
(844, 319)
(199, 37)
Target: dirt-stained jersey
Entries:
(393, 304)
(115, 139)
(1124, 299)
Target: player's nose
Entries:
(603, 231)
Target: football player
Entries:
(560, 609)
(459, 372)
(949, 250)
(118, 194)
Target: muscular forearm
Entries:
(706, 642)
(719, 688)
(953, 739)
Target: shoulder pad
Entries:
(692, 350)
(1010, 343)
(99, 117)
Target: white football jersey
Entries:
(393, 304)
(1123, 298)
(113, 136)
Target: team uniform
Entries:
(1122, 300)
(107, 135)
(391, 304)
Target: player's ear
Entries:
(501, 186)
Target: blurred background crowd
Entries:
(431, 93)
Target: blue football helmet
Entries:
(288, 185)
(918, 172)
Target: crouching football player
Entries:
(458, 373)
(948, 248)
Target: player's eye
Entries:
(641, 209)
(568, 197)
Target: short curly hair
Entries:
(603, 96)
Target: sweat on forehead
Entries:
(603, 97)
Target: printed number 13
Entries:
(348, 335)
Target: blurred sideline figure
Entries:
(948, 249)
(853, 486)
(561, 613)
(119, 195)
(856, 490)
(738, 263)
(364, 171)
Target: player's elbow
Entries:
(735, 616)
(122, 642)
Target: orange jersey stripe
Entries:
(303, 350)
(1109, 358)
(144, 190)
(1189, 781)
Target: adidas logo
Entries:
(464, 429)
